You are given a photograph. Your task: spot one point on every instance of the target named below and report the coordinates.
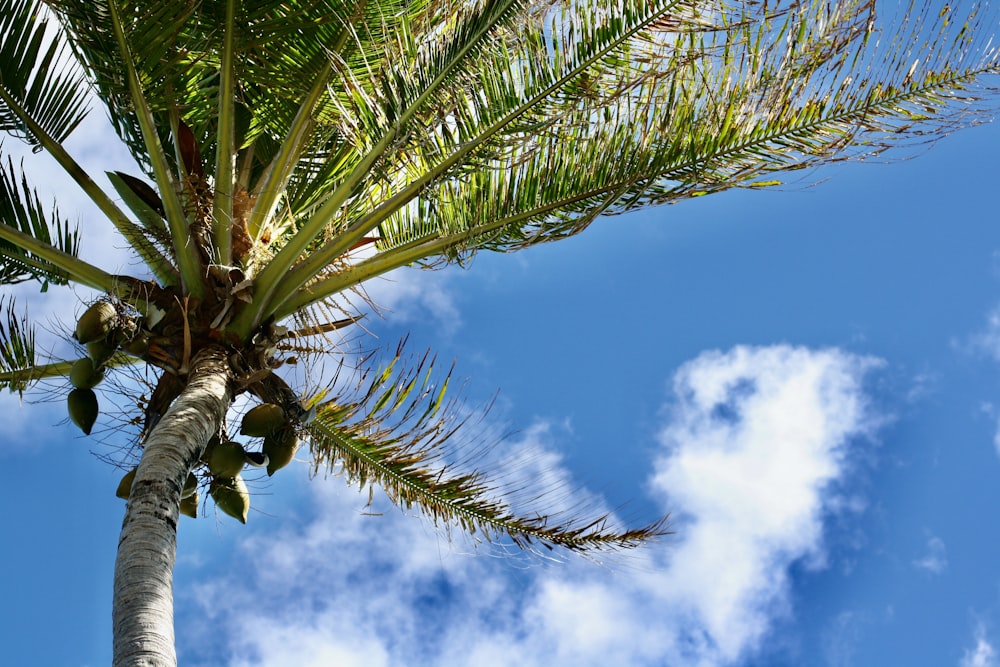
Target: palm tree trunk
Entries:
(143, 587)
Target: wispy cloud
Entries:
(935, 560)
(982, 654)
(841, 637)
(987, 341)
(755, 442)
(408, 295)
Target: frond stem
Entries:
(55, 369)
(185, 246)
(21, 376)
(222, 204)
(76, 269)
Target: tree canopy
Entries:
(287, 152)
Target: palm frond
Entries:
(46, 247)
(37, 80)
(17, 350)
(43, 98)
(151, 30)
(182, 233)
(763, 94)
(372, 121)
(278, 50)
(395, 427)
(225, 153)
(515, 89)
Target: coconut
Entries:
(212, 442)
(137, 345)
(100, 350)
(189, 505)
(226, 459)
(280, 448)
(190, 486)
(83, 408)
(263, 420)
(231, 496)
(125, 486)
(84, 375)
(96, 322)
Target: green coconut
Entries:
(226, 459)
(280, 448)
(83, 408)
(100, 350)
(190, 486)
(231, 496)
(263, 420)
(96, 322)
(137, 345)
(125, 486)
(189, 505)
(84, 375)
(212, 442)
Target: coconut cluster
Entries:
(102, 329)
(107, 327)
(225, 459)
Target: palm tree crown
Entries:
(289, 151)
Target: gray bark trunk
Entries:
(143, 607)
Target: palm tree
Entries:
(290, 151)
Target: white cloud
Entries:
(935, 560)
(845, 631)
(756, 442)
(987, 341)
(97, 149)
(982, 654)
(841, 637)
(990, 410)
(408, 295)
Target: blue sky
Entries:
(806, 378)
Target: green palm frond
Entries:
(43, 98)
(37, 246)
(171, 184)
(17, 350)
(37, 81)
(151, 29)
(278, 51)
(373, 120)
(442, 78)
(400, 431)
(552, 137)
(514, 90)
